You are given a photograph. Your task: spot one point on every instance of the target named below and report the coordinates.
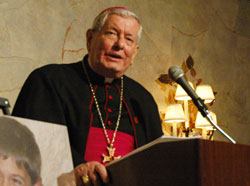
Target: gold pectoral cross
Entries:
(111, 155)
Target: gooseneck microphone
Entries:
(177, 75)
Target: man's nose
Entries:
(120, 43)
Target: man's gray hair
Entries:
(102, 17)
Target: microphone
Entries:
(177, 75)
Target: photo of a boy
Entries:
(20, 157)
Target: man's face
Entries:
(113, 48)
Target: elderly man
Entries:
(107, 114)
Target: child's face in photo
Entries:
(12, 175)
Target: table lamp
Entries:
(182, 95)
(205, 92)
(204, 124)
(174, 113)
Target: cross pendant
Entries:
(111, 154)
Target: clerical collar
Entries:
(106, 79)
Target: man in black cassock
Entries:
(107, 113)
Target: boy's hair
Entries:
(17, 141)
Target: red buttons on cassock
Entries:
(107, 86)
(136, 120)
(109, 123)
(109, 110)
(110, 97)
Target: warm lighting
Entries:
(182, 95)
(205, 92)
(174, 113)
(202, 122)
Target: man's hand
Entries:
(91, 173)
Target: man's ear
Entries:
(137, 47)
(136, 50)
(89, 37)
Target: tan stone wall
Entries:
(215, 33)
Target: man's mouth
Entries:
(114, 56)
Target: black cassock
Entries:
(60, 93)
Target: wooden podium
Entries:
(192, 162)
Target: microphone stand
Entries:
(178, 75)
(209, 118)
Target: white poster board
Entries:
(53, 142)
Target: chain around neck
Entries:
(99, 112)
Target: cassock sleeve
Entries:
(155, 129)
(39, 99)
(152, 119)
(145, 107)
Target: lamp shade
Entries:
(201, 121)
(205, 92)
(174, 113)
(181, 93)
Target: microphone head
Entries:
(175, 72)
